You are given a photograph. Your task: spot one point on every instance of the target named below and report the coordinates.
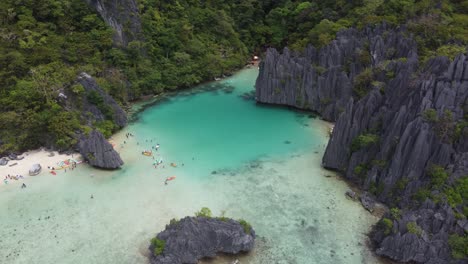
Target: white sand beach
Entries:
(40, 156)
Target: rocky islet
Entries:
(193, 238)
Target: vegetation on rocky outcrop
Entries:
(207, 236)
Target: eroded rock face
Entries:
(427, 243)
(98, 152)
(122, 16)
(394, 118)
(322, 80)
(193, 238)
(92, 111)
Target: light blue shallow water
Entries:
(248, 161)
(220, 129)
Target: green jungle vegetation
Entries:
(44, 44)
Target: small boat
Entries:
(147, 153)
(173, 165)
(53, 172)
(170, 178)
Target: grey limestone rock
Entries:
(368, 202)
(351, 194)
(98, 152)
(193, 238)
(92, 111)
(322, 80)
(35, 169)
(394, 109)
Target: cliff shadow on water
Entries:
(140, 106)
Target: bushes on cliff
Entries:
(364, 140)
(430, 115)
(158, 246)
(386, 224)
(247, 227)
(204, 212)
(438, 175)
(362, 82)
(414, 228)
(459, 246)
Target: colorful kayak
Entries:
(147, 153)
(170, 178)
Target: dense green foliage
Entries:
(247, 227)
(158, 246)
(459, 246)
(414, 228)
(386, 225)
(438, 175)
(364, 140)
(204, 212)
(43, 45)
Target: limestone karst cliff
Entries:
(96, 107)
(401, 130)
(322, 79)
(98, 152)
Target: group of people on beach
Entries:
(12, 177)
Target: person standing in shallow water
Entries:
(23, 186)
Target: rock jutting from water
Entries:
(400, 130)
(194, 238)
(98, 151)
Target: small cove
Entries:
(258, 163)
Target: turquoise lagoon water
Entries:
(240, 159)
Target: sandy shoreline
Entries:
(43, 157)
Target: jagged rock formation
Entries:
(193, 238)
(426, 243)
(322, 80)
(103, 107)
(122, 16)
(98, 152)
(391, 129)
(407, 142)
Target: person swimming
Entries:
(23, 186)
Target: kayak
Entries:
(53, 172)
(147, 153)
(173, 165)
(170, 178)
